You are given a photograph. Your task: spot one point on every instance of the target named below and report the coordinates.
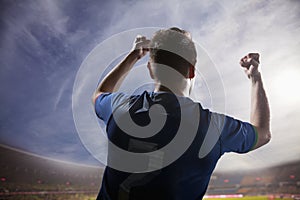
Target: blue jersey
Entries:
(188, 176)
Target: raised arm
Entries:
(260, 111)
(115, 77)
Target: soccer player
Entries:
(149, 121)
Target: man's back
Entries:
(188, 176)
(162, 144)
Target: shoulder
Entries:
(114, 97)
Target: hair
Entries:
(173, 47)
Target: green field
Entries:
(93, 197)
(252, 198)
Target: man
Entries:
(172, 67)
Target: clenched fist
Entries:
(250, 64)
(141, 46)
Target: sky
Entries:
(46, 45)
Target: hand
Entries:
(141, 46)
(250, 64)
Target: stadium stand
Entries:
(281, 180)
(23, 175)
(26, 176)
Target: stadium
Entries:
(27, 176)
(51, 144)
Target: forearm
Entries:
(115, 77)
(260, 111)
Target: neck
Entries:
(179, 90)
(169, 80)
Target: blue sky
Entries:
(43, 44)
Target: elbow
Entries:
(264, 137)
(94, 97)
(268, 137)
(93, 100)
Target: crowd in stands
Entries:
(24, 176)
(279, 180)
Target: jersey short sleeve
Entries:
(237, 136)
(106, 103)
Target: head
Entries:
(172, 58)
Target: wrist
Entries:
(134, 55)
(255, 77)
